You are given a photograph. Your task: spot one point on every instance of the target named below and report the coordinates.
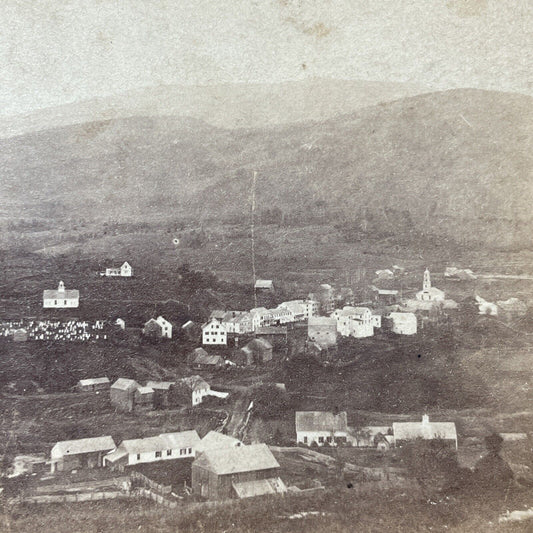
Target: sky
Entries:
(56, 52)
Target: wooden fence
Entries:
(157, 487)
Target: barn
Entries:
(236, 472)
(81, 453)
(122, 394)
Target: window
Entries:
(190, 450)
(158, 454)
(305, 440)
(64, 302)
(321, 440)
(328, 439)
(169, 452)
(138, 457)
(55, 302)
(183, 451)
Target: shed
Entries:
(161, 392)
(264, 285)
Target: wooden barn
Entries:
(236, 472)
(81, 453)
(122, 394)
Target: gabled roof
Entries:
(67, 294)
(145, 390)
(180, 439)
(125, 384)
(92, 444)
(187, 324)
(160, 385)
(259, 345)
(215, 440)
(206, 359)
(93, 381)
(148, 444)
(321, 421)
(233, 460)
(217, 314)
(264, 284)
(424, 430)
(194, 383)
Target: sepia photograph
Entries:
(266, 266)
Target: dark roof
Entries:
(321, 421)
(194, 382)
(232, 460)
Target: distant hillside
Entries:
(456, 163)
(225, 105)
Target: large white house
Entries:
(124, 271)
(164, 447)
(214, 333)
(61, 298)
(403, 323)
(358, 322)
(321, 427)
(429, 293)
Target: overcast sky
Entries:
(55, 52)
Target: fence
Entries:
(161, 489)
(68, 498)
(158, 498)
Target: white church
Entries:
(429, 293)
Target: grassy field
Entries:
(338, 510)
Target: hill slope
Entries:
(455, 162)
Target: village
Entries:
(232, 424)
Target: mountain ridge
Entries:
(461, 156)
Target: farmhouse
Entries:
(94, 384)
(158, 328)
(215, 441)
(321, 427)
(322, 330)
(429, 293)
(122, 394)
(403, 323)
(164, 447)
(257, 351)
(214, 333)
(81, 453)
(124, 271)
(61, 298)
(264, 285)
(190, 391)
(236, 472)
(405, 432)
(239, 322)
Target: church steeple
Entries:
(427, 281)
